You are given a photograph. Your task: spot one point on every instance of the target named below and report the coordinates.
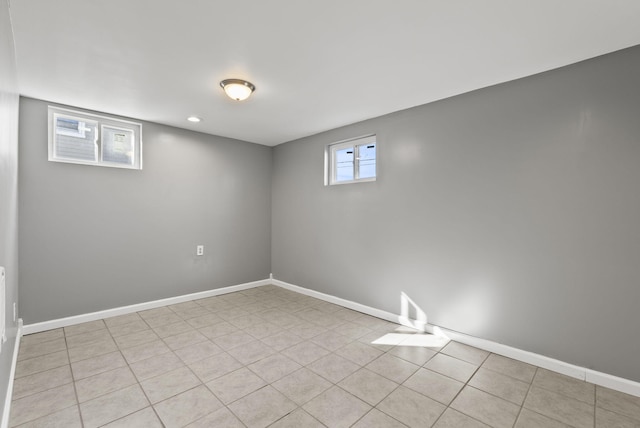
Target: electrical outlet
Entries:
(200, 250)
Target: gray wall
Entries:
(8, 189)
(94, 238)
(511, 213)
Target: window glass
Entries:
(367, 160)
(117, 145)
(76, 139)
(344, 164)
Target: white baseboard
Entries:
(592, 376)
(123, 310)
(4, 423)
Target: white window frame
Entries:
(330, 160)
(100, 122)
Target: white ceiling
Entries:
(317, 65)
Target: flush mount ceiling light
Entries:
(237, 89)
(194, 119)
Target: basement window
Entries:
(88, 139)
(351, 161)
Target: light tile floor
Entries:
(271, 357)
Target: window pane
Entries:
(117, 145)
(367, 160)
(344, 164)
(76, 139)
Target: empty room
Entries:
(320, 214)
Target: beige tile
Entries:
(454, 419)
(331, 340)
(113, 406)
(607, 419)
(500, 385)
(297, 419)
(411, 408)
(173, 329)
(194, 313)
(88, 338)
(145, 418)
(215, 366)
(393, 368)
(274, 367)
(434, 385)
(36, 349)
(187, 407)
(84, 328)
(376, 419)
(101, 347)
(41, 404)
(155, 366)
(378, 341)
(184, 306)
(263, 330)
(559, 407)
(163, 319)
(218, 330)
(247, 321)
(144, 351)
(235, 385)
(128, 328)
(262, 407)
(571, 387)
(451, 367)
(466, 353)
(486, 408)
(307, 330)
(233, 340)
(203, 320)
(41, 364)
(122, 319)
(618, 402)
(169, 384)
(65, 418)
(302, 385)
(305, 352)
(333, 367)
(414, 354)
(136, 339)
(96, 365)
(337, 408)
(352, 330)
(251, 352)
(529, 419)
(182, 340)
(368, 386)
(282, 340)
(41, 381)
(507, 366)
(103, 383)
(199, 351)
(43, 336)
(359, 353)
(222, 418)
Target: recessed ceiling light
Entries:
(194, 119)
(237, 89)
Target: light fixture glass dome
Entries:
(237, 89)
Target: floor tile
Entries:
(411, 408)
(41, 404)
(134, 326)
(451, 367)
(247, 321)
(559, 407)
(122, 319)
(36, 349)
(169, 384)
(454, 419)
(307, 330)
(193, 353)
(113, 406)
(337, 408)
(88, 338)
(352, 330)
(530, 419)
(136, 339)
(333, 367)
(155, 366)
(466, 353)
(172, 329)
(607, 419)
(413, 354)
(203, 320)
(65, 418)
(145, 418)
(500, 385)
(274, 367)
(96, 365)
(297, 419)
(302, 385)
(101, 347)
(103, 383)
(571, 387)
(163, 319)
(41, 364)
(187, 407)
(305, 353)
(359, 353)
(486, 408)
(282, 340)
(438, 387)
(376, 419)
(147, 350)
(41, 381)
(251, 352)
(218, 330)
(331, 340)
(185, 339)
(393, 368)
(368, 386)
(507, 366)
(222, 418)
(43, 336)
(618, 402)
(84, 328)
(233, 340)
(235, 385)
(215, 366)
(262, 407)
(263, 330)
